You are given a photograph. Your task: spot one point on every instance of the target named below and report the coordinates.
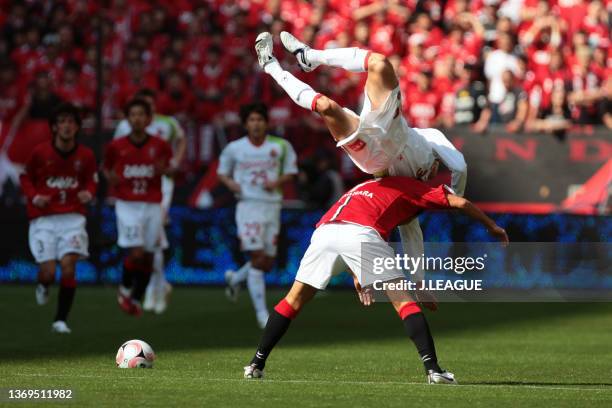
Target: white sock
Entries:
(301, 93)
(241, 274)
(352, 59)
(158, 279)
(257, 289)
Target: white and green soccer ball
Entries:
(135, 354)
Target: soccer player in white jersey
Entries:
(254, 168)
(168, 129)
(379, 140)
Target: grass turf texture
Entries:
(336, 353)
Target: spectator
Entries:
(470, 105)
(496, 63)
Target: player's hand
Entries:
(84, 196)
(365, 295)
(500, 233)
(112, 177)
(271, 185)
(234, 187)
(427, 299)
(41, 201)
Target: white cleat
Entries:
(162, 301)
(251, 372)
(60, 326)
(262, 319)
(231, 290)
(443, 377)
(42, 294)
(263, 48)
(297, 48)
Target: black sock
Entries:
(141, 281)
(275, 329)
(127, 279)
(418, 331)
(65, 298)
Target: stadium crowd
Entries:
(527, 65)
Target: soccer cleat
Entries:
(262, 319)
(231, 291)
(442, 377)
(251, 371)
(263, 48)
(150, 301)
(42, 294)
(60, 326)
(163, 299)
(299, 49)
(127, 304)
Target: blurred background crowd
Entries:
(524, 65)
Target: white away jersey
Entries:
(253, 166)
(162, 126)
(383, 135)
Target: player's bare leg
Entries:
(340, 123)
(66, 293)
(46, 274)
(278, 323)
(137, 267)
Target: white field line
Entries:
(325, 382)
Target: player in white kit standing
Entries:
(379, 140)
(166, 128)
(254, 168)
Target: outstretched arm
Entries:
(469, 209)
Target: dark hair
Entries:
(137, 102)
(65, 109)
(255, 107)
(145, 92)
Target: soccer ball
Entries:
(135, 354)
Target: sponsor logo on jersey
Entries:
(62, 183)
(258, 164)
(138, 171)
(357, 145)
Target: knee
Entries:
(258, 260)
(68, 264)
(380, 64)
(325, 105)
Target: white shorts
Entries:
(54, 236)
(258, 225)
(139, 224)
(337, 246)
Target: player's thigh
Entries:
(321, 259)
(42, 240)
(73, 238)
(272, 228)
(130, 224)
(381, 79)
(153, 227)
(340, 123)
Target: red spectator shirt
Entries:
(137, 167)
(421, 108)
(385, 203)
(61, 176)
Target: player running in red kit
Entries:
(134, 166)
(60, 178)
(366, 215)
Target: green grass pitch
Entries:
(337, 353)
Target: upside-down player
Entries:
(134, 165)
(167, 128)
(60, 179)
(366, 214)
(255, 168)
(379, 140)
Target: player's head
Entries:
(65, 122)
(255, 119)
(148, 95)
(138, 113)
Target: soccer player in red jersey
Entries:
(134, 165)
(60, 178)
(367, 214)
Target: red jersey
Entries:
(61, 176)
(385, 203)
(137, 167)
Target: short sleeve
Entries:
(290, 161)
(226, 161)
